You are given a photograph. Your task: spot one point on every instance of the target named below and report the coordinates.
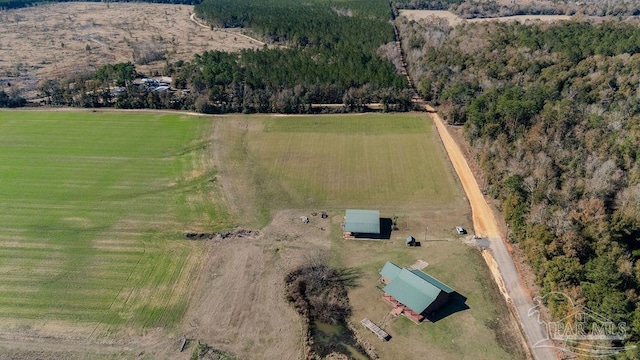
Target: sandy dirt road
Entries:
(499, 259)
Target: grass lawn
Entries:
(389, 162)
(475, 333)
(94, 206)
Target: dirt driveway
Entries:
(499, 259)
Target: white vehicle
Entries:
(460, 230)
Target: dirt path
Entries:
(455, 20)
(498, 258)
(236, 33)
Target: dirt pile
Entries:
(232, 234)
(206, 352)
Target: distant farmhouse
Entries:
(361, 223)
(161, 85)
(412, 293)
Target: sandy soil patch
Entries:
(416, 15)
(62, 39)
(418, 265)
(454, 20)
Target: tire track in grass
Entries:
(397, 167)
(367, 163)
(118, 294)
(342, 177)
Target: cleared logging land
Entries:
(60, 40)
(454, 20)
(94, 255)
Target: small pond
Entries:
(330, 338)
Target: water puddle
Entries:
(330, 338)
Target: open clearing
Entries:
(51, 41)
(454, 19)
(98, 204)
(390, 162)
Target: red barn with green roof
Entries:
(413, 293)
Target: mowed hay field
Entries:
(391, 162)
(94, 207)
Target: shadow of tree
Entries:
(349, 276)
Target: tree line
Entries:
(11, 100)
(552, 114)
(216, 82)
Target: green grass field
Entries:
(382, 161)
(94, 206)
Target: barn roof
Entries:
(413, 288)
(433, 281)
(362, 221)
(390, 270)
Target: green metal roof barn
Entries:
(414, 289)
(362, 221)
